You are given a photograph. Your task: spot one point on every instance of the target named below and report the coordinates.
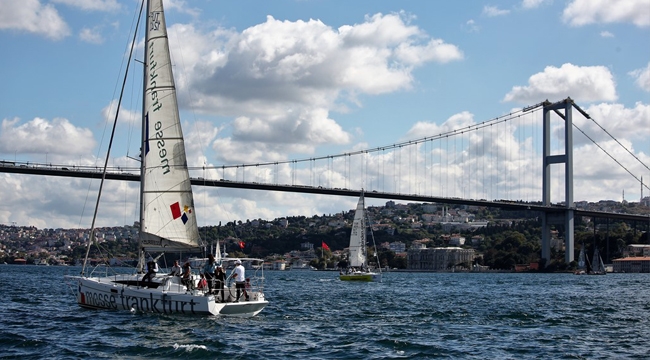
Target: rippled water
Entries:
(313, 315)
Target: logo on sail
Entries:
(177, 213)
(155, 22)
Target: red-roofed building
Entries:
(636, 264)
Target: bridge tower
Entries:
(566, 216)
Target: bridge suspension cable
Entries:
(586, 115)
(445, 135)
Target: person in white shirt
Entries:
(176, 269)
(239, 273)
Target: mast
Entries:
(143, 140)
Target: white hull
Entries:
(169, 297)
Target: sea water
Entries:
(313, 315)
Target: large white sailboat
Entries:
(168, 217)
(358, 253)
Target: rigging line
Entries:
(519, 156)
(135, 21)
(483, 162)
(462, 161)
(408, 168)
(618, 142)
(200, 133)
(455, 160)
(447, 167)
(426, 185)
(399, 188)
(608, 154)
(365, 182)
(110, 143)
(505, 118)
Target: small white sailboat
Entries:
(168, 217)
(358, 253)
(582, 265)
(597, 265)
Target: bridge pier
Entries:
(550, 218)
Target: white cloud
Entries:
(606, 34)
(585, 12)
(471, 26)
(619, 121)
(532, 4)
(493, 11)
(48, 201)
(40, 136)
(282, 79)
(436, 50)
(91, 36)
(600, 177)
(181, 6)
(92, 5)
(642, 77)
(33, 17)
(423, 129)
(581, 83)
(126, 116)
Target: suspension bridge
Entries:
(504, 162)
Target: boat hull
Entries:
(370, 277)
(166, 296)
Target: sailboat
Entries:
(358, 254)
(597, 265)
(227, 262)
(582, 266)
(167, 214)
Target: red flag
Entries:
(242, 245)
(324, 246)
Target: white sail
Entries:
(358, 236)
(596, 263)
(168, 219)
(581, 259)
(217, 253)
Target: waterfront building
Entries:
(439, 258)
(636, 264)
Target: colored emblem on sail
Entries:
(178, 213)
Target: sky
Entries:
(266, 81)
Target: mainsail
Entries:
(168, 220)
(581, 260)
(597, 263)
(358, 236)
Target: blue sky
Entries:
(275, 80)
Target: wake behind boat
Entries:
(358, 253)
(167, 214)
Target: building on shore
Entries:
(439, 258)
(635, 264)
